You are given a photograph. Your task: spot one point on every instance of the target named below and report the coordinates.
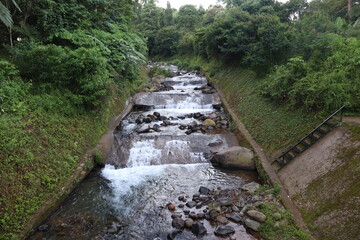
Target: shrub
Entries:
(83, 71)
(13, 91)
(332, 83)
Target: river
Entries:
(151, 166)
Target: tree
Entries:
(150, 23)
(188, 17)
(169, 20)
(166, 41)
(294, 9)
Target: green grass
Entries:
(41, 148)
(273, 126)
(279, 224)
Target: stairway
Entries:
(317, 133)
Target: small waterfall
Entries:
(146, 170)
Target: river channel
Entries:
(154, 160)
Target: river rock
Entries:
(198, 228)
(193, 215)
(216, 143)
(144, 129)
(212, 116)
(182, 126)
(225, 201)
(238, 157)
(191, 204)
(214, 206)
(213, 214)
(176, 215)
(153, 117)
(156, 128)
(254, 225)
(234, 217)
(197, 115)
(251, 187)
(166, 123)
(139, 120)
(235, 209)
(156, 114)
(224, 230)
(210, 128)
(217, 106)
(172, 235)
(196, 195)
(171, 207)
(178, 223)
(189, 222)
(224, 122)
(222, 220)
(204, 198)
(44, 228)
(209, 122)
(258, 216)
(204, 190)
(147, 120)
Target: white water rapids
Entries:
(126, 199)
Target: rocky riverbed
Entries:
(214, 213)
(159, 182)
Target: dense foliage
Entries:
(307, 51)
(63, 64)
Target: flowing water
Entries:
(127, 198)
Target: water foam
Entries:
(144, 153)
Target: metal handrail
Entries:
(311, 133)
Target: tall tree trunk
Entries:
(350, 4)
(11, 37)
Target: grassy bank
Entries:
(41, 148)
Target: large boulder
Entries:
(238, 157)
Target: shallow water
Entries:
(127, 198)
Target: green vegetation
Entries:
(65, 68)
(156, 71)
(306, 55)
(279, 224)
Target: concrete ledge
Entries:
(271, 174)
(85, 165)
